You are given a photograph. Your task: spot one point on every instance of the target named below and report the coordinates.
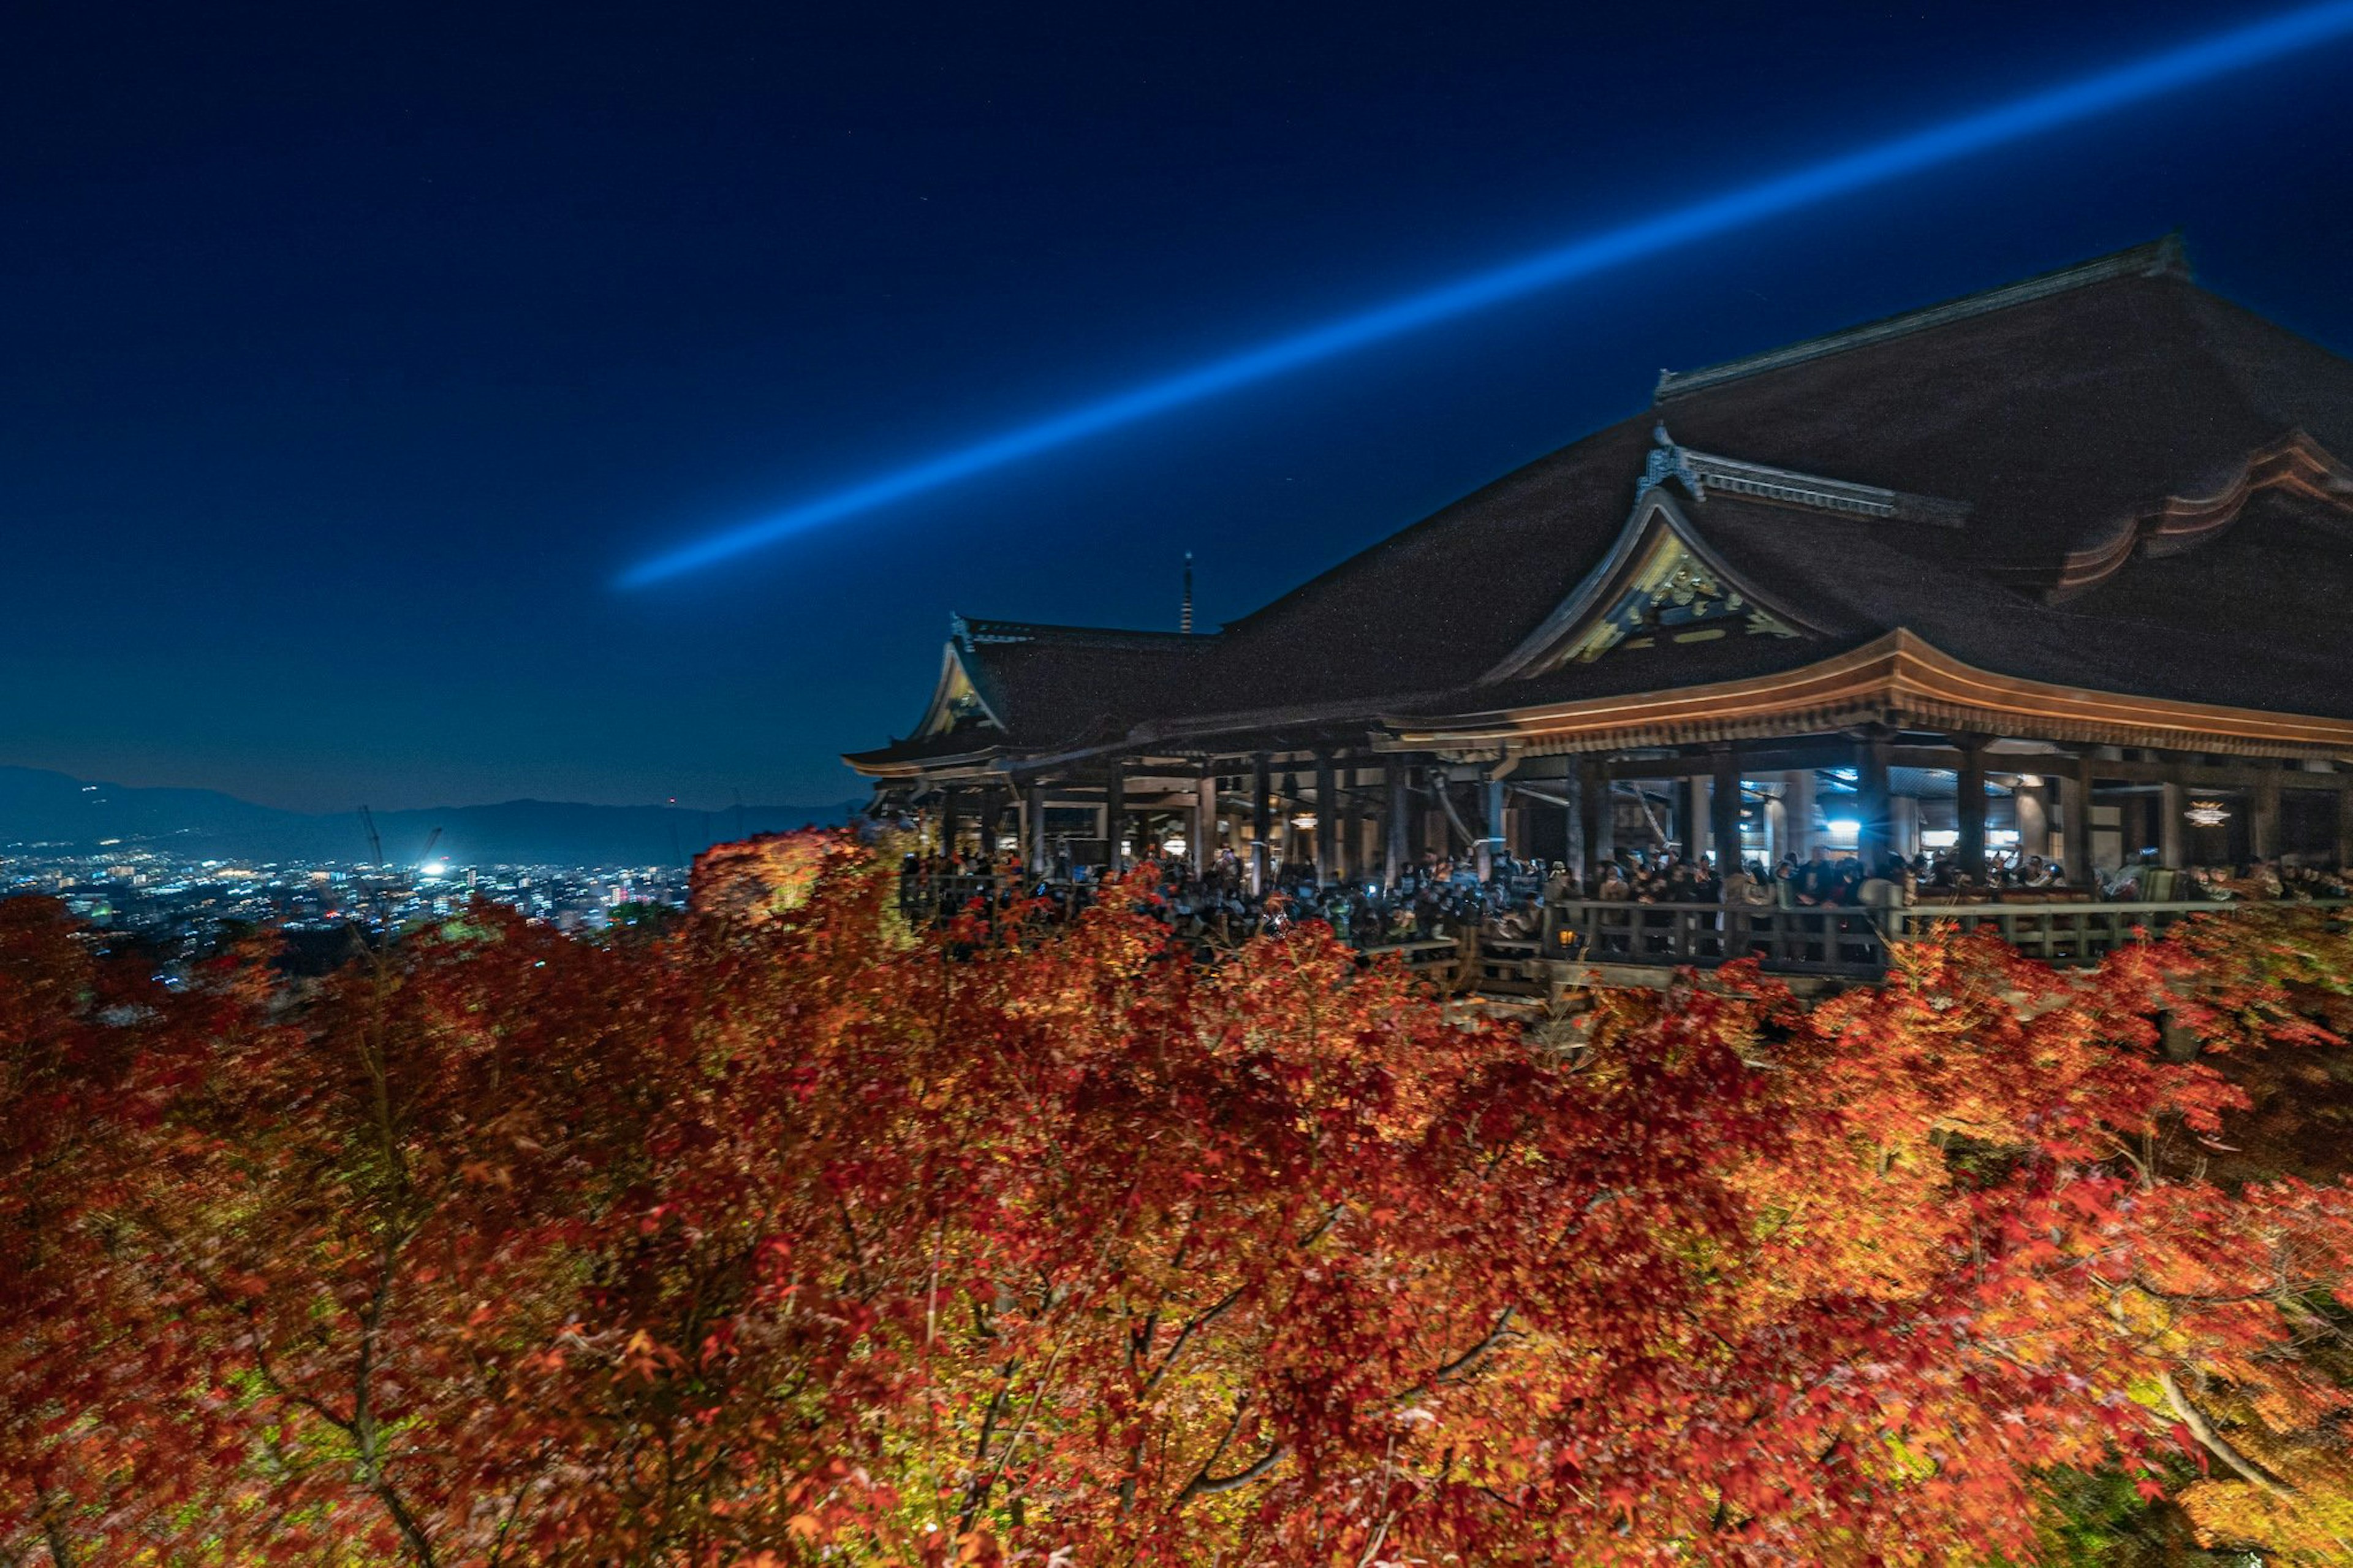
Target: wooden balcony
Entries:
(1585, 937)
(1834, 942)
(1852, 942)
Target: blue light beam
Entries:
(2118, 88)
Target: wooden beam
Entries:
(2267, 823)
(1033, 818)
(2075, 819)
(1724, 810)
(1757, 761)
(1872, 843)
(1393, 812)
(2207, 776)
(1594, 814)
(1491, 826)
(1970, 806)
(1899, 680)
(1261, 818)
(1204, 817)
(2172, 826)
(1327, 822)
(1114, 819)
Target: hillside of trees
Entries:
(785, 1235)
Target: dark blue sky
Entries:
(348, 354)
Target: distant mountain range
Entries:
(38, 807)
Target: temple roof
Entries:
(2242, 621)
(1016, 685)
(2106, 477)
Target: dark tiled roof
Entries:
(2242, 621)
(2058, 414)
(966, 742)
(1050, 689)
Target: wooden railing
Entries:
(1851, 942)
(2071, 933)
(1830, 941)
(1802, 941)
(1438, 960)
(936, 892)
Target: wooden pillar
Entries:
(1798, 810)
(1724, 810)
(2344, 824)
(1115, 818)
(2172, 826)
(2075, 820)
(2266, 824)
(1033, 824)
(1593, 813)
(1327, 821)
(1345, 852)
(1261, 819)
(947, 821)
(1970, 806)
(1393, 814)
(1572, 841)
(992, 820)
(1349, 863)
(1202, 842)
(1490, 810)
(2033, 802)
(1872, 843)
(1904, 825)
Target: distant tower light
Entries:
(1185, 615)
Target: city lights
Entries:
(179, 904)
(2103, 92)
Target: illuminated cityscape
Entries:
(181, 908)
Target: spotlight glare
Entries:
(2117, 88)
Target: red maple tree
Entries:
(793, 1235)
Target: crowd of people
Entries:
(2147, 880)
(1436, 898)
(1823, 879)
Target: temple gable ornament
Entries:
(1674, 596)
(1659, 586)
(1697, 472)
(957, 703)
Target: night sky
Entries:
(348, 354)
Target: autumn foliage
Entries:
(804, 1239)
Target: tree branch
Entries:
(2191, 1416)
(1200, 1321)
(1207, 1485)
(1494, 1336)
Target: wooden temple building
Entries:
(2064, 568)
